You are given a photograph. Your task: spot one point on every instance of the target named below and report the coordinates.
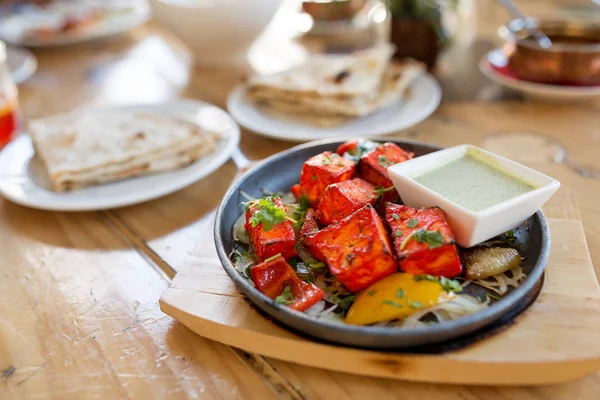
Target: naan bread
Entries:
(396, 80)
(87, 148)
(344, 75)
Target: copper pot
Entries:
(573, 58)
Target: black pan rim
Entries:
(427, 334)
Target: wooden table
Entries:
(79, 292)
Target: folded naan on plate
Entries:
(88, 148)
(331, 89)
(339, 75)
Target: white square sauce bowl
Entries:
(469, 225)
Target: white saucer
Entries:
(424, 98)
(21, 63)
(22, 176)
(13, 26)
(537, 90)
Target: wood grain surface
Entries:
(79, 292)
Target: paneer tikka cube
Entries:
(356, 249)
(322, 170)
(343, 198)
(423, 241)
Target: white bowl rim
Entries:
(552, 184)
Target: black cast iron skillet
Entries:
(281, 171)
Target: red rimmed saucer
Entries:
(495, 66)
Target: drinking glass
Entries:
(8, 101)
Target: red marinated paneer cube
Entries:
(274, 276)
(344, 198)
(269, 241)
(321, 171)
(373, 167)
(310, 223)
(423, 241)
(357, 249)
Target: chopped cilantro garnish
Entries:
(314, 178)
(412, 223)
(433, 239)
(268, 213)
(395, 216)
(286, 297)
(300, 212)
(346, 302)
(419, 278)
(415, 304)
(397, 233)
(372, 292)
(400, 293)
(391, 303)
(247, 254)
(273, 257)
(315, 264)
(449, 285)
(383, 161)
(304, 203)
(379, 191)
(364, 146)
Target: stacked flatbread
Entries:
(88, 148)
(330, 89)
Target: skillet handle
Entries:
(242, 162)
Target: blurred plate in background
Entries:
(69, 22)
(23, 179)
(495, 66)
(420, 102)
(21, 63)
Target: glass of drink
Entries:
(8, 101)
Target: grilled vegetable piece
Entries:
(356, 249)
(354, 149)
(483, 262)
(310, 223)
(298, 192)
(344, 198)
(269, 242)
(395, 296)
(373, 167)
(277, 280)
(423, 241)
(322, 170)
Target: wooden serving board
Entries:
(555, 340)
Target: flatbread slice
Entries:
(397, 78)
(345, 75)
(87, 148)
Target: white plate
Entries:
(536, 90)
(14, 25)
(21, 63)
(22, 180)
(424, 98)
